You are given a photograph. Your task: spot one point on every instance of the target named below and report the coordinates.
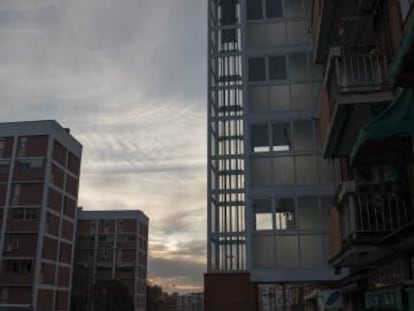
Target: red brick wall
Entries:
(73, 164)
(67, 229)
(84, 226)
(20, 295)
(71, 185)
(36, 146)
(128, 225)
(54, 200)
(59, 153)
(64, 276)
(69, 208)
(109, 225)
(62, 300)
(52, 224)
(229, 291)
(48, 274)
(26, 245)
(324, 117)
(394, 16)
(24, 174)
(65, 252)
(30, 194)
(8, 148)
(57, 176)
(334, 231)
(49, 248)
(45, 300)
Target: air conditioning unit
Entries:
(366, 6)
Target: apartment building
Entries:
(39, 178)
(366, 126)
(111, 245)
(269, 189)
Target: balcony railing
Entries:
(366, 216)
(356, 70)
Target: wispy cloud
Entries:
(128, 78)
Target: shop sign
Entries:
(383, 299)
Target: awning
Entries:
(396, 121)
(407, 41)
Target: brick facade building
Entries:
(111, 245)
(39, 178)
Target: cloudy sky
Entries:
(129, 78)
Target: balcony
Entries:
(357, 88)
(347, 23)
(368, 216)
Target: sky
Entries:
(128, 77)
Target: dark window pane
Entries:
(277, 68)
(228, 12)
(254, 9)
(274, 8)
(228, 35)
(281, 137)
(257, 70)
(259, 138)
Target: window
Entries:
(2, 143)
(294, 8)
(30, 164)
(19, 266)
(22, 146)
(309, 215)
(4, 165)
(131, 237)
(277, 67)
(18, 213)
(228, 12)
(257, 69)
(281, 137)
(24, 213)
(303, 137)
(285, 214)
(254, 9)
(16, 195)
(274, 8)
(260, 138)
(263, 214)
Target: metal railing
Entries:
(356, 70)
(370, 215)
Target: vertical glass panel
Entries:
(309, 215)
(274, 8)
(261, 172)
(298, 32)
(277, 68)
(264, 251)
(254, 9)
(281, 137)
(279, 97)
(301, 97)
(283, 171)
(294, 8)
(228, 12)
(311, 251)
(257, 69)
(256, 35)
(262, 209)
(285, 215)
(326, 171)
(303, 135)
(306, 170)
(287, 254)
(276, 34)
(259, 138)
(258, 99)
(298, 66)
